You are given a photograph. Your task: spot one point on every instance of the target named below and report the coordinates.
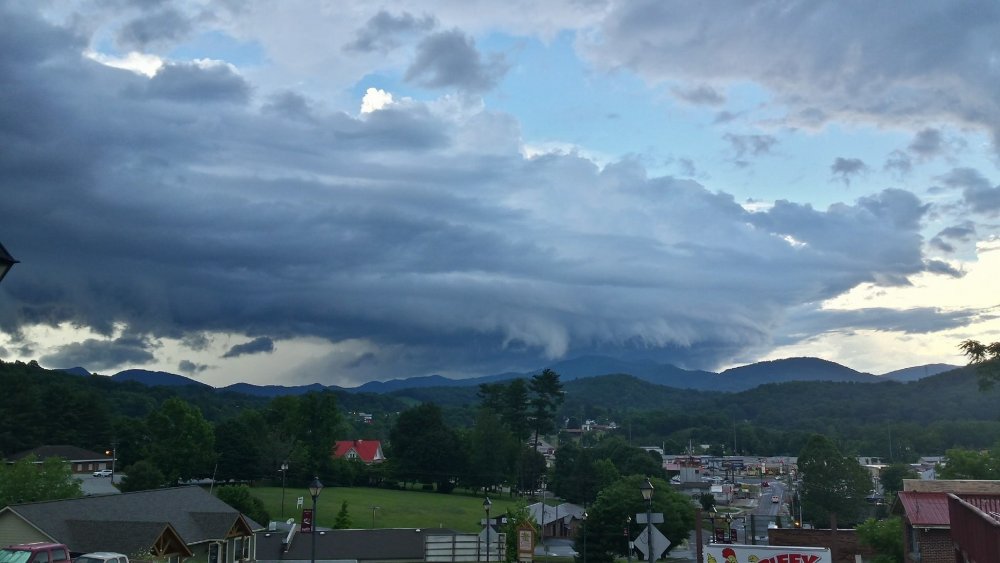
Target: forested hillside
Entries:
(890, 419)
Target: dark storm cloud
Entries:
(824, 60)
(417, 237)
(382, 32)
(843, 169)
(100, 355)
(166, 25)
(449, 59)
(190, 82)
(258, 345)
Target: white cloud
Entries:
(375, 99)
(139, 63)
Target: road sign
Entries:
(656, 517)
(660, 542)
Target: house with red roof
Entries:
(368, 451)
(927, 518)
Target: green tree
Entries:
(424, 449)
(831, 483)
(986, 358)
(623, 499)
(492, 452)
(343, 520)
(182, 443)
(142, 476)
(885, 537)
(546, 397)
(707, 501)
(239, 497)
(516, 518)
(27, 481)
(968, 464)
(238, 447)
(892, 478)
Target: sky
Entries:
(336, 192)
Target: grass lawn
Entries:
(397, 509)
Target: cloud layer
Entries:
(416, 237)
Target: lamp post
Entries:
(584, 536)
(647, 494)
(113, 452)
(283, 469)
(314, 489)
(6, 262)
(486, 506)
(374, 508)
(628, 539)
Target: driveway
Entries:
(98, 485)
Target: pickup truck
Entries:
(36, 552)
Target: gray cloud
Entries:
(449, 59)
(99, 355)
(843, 169)
(192, 82)
(946, 238)
(898, 162)
(977, 192)
(700, 95)
(750, 145)
(823, 60)
(928, 143)
(166, 25)
(189, 367)
(382, 32)
(418, 237)
(259, 345)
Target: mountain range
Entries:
(731, 380)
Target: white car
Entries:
(103, 473)
(102, 557)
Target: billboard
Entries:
(765, 554)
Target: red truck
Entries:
(37, 552)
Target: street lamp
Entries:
(113, 452)
(6, 262)
(584, 536)
(314, 490)
(486, 506)
(628, 539)
(284, 469)
(647, 494)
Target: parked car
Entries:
(101, 557)
(103, 473)
(36, 552)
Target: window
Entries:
(41, 557)
(59, 555)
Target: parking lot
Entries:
(98, 485)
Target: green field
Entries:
(397, 509)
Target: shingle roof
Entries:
(194, 513)
(71, 453)
(382, 544)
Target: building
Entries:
(926, 512)
(160, 524)
(80, 460)
(368, 451)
